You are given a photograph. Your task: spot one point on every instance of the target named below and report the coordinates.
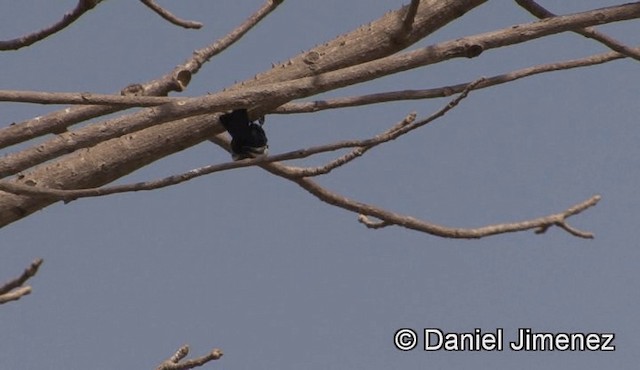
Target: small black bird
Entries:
(248, 139)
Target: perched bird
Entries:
(248, 139)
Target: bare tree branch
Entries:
(82, 7)
(131, 101)
(589, 32)
(70, 195)
(116, 157)
(372, 224)
(175, 362)
(268, 97)
(439, 92)
(85, 98)
(403, 127)
(176, 80)
(74, 138)
(388, 218)
(14, 289)
(151, 4)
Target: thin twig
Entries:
(14, 289)
(82, 7)
(169, 16)
(388, 218)
(590, 32)
(403, 127)
(175, 361)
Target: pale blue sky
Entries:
(253, 265)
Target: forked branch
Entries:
(177, 362)
(175, 80)
(82, 7)
(590, 32)
(15, 289)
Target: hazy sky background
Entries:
(254, 265)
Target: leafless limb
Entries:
(466, 47)
(14, 289)
(82, 7)
(361, 146)
(151, 4)
(269, 96)
(352, 101)
(84, 98)
(190, 122)
(176, 80)
(590, 32)
(175, 362)
(70, 195)
(388, 218)
(403, 127)
(130, 101)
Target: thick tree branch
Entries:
(151, 4)
(70, 195)
(14, 289)
(589, 32)
(82, 7)
(369, 42)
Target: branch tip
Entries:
(14, 289)
(151, 4)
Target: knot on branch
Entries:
(311, 58)
(473, 50)
(133, 90)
